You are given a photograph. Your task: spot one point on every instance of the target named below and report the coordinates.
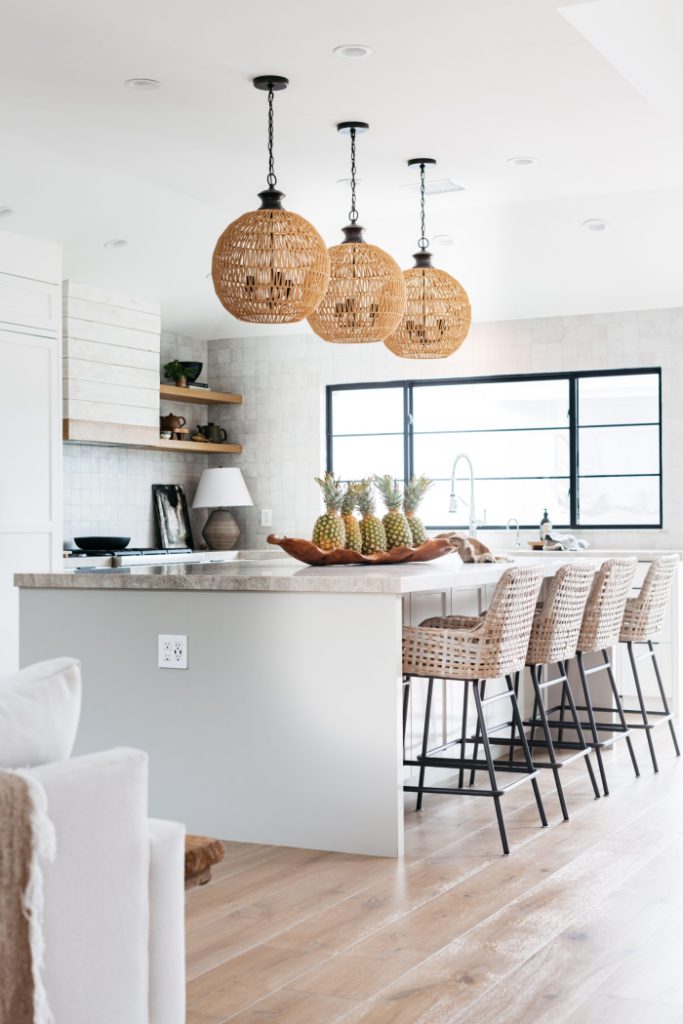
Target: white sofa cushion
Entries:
(39, 711)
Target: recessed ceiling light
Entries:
(142, 84)
(444, 239)
(115, 243)
(522, 161)
(352, 50)
(5, 211)
(435, 188)
(595, 224)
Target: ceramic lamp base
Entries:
(221, 532)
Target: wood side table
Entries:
(201, 853)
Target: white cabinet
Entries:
(30, 439)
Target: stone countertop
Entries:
(642, 554)
(285, 575)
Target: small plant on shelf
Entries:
(176, 372)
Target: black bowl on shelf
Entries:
(192, 370)
(101, 543)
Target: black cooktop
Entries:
(130, 552)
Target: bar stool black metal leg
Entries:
(425, 743)
(477, 731)
(525, 748)
(591, 720)
(463, 735)
(562, 665)
(643, 709)
(548, 740)
(406, 703)
(511, 751)
(560, 731)
(620, 711)
(665, 703)
(481, 731)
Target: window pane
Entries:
(605, 450)
(517, 453)
(619, 501)
(355, 457)
(632, 398)
(506, 404)
(368, 411)
(501, 500)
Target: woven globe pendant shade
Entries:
(366, 296)
(437, 317)
(270, 266)
(438, 314)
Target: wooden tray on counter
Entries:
(311, 554)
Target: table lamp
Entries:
(218, 488)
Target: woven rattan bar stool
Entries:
(554, 637)
(599, 631)
(492, 646)
(643, 621)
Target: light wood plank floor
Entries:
(582, 923)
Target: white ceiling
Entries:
(593, 90)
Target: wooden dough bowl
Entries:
(311, 554)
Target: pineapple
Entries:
(351, 524)
(412, 496)
(373, 536)
(329, 531)
(395, 523)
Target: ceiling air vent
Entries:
(435, 188)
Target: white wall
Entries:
(109, 490)
(283, 378)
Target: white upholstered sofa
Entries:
(114, 893)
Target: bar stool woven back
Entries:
(605, 606)
(495, 647)
(644, 615)
(557, 622)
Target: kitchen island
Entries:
(285, 728)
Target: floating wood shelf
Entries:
(198, 396)
(126, 436)
(207, 447)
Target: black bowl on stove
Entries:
(192, 370)
(101, 543)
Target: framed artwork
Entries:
(173, 520)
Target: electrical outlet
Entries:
(266, 517)
(172, 650)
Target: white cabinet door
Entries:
(27, 305)
(30, 478)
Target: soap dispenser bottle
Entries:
(546, 527)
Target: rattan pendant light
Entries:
(270, 266)
(438, 314)
(366, 296)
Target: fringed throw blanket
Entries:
(26, 838)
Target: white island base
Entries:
(286, 727)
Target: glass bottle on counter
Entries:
(546, 527)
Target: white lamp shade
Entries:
(221, 488)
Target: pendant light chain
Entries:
(423, 242)
(271, 178)
(353, 213)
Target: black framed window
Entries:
(585, 445)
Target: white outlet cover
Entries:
(172, 650)
(266, 517)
